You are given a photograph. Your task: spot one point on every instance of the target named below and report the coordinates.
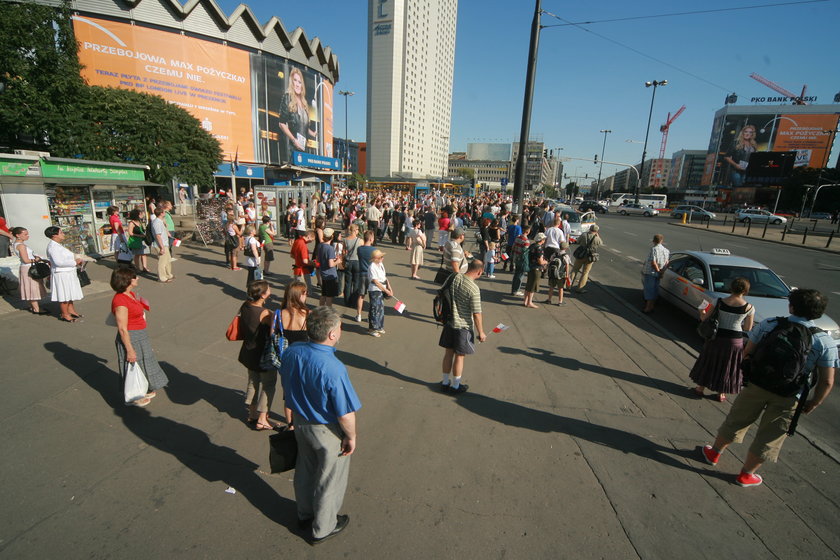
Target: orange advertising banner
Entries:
(211, 81)
(807, 134)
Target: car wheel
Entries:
(646, 214)
(746, 220)
(623, 212)
(777, 222)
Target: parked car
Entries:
(694, 279)
(594, 206)
(637, 209)
(694, 212)
(820, 216)
(759, 216)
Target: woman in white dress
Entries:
(31, 290)
(64, 280)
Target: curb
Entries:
(777, 242)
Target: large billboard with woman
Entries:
(736, 135)
(260, 107)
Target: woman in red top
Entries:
(117, 231)
(443, 230)
(132, 342)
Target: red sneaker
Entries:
(710, 455)
(746, 479)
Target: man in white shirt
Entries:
(161, 244)
(300, 228)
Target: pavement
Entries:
(577, 438)
(805, 233)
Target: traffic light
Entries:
(596, 159)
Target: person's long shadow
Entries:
(227, 289)
(512, 414)
(573, 364)
(189, 445)
(187, 389)
(366, 364)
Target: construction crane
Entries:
(658, 169)
(797, 99)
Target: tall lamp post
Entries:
(346, 94)
(603, 148)
(655, 84)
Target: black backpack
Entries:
(778, 362)
(149, 238)
(442, 304)
(556, 268)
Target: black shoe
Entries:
(443, 388)
(462, 388)
(341, 523)
(305, 524)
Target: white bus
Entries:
(658, 201)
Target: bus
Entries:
(658, 201)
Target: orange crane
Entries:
(797, 99)
(658, 169)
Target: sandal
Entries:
(77, 316)
(720, 397)
(262, 427)
(67, 320)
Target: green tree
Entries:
(45, 104)
(127, 126)
(39, 73)
(466, 172)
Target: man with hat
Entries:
(591, 240)
(327, 265)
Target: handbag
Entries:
(708, 327)
(282, 451)
(39, 270)
(275, 344)
(232, 332)
(442, 275)
(84, 279)
(136, 384)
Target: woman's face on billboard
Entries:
(297, 82)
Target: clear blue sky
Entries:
(586, 83)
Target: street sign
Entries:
(504, 181)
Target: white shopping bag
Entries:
(136, 384)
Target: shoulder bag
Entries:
(709, 326)
(39, 270)
(275, 344)
(232, 332)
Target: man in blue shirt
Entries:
(776, 410)
(514, 230)
(318, 390)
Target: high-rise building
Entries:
(686, 169)
(411, 59)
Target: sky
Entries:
(591, 77)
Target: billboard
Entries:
(260, 107)
(735, 137)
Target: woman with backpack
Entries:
(718, 368)
(137, 239)
(252, 254)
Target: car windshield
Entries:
(763, 281)
(573, 217)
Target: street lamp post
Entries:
(346, 94)
(603, 148)
(655, 84)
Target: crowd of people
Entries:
(347, 261)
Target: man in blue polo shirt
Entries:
(318, 390)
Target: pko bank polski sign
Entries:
(316, 161)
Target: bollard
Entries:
(830, 237)
(763, 233)
(684, 218)
(784, 231)
(815, 225)
(708, 222)
(749, 227)
(734, 223)
(724, 220)
(804, 235)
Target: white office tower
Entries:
(411, 58)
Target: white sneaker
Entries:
(358, 318)
(491, 276)
(377, 334)
(520, 293)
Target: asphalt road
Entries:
(627, 240)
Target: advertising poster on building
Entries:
(291, 109)
(207, 79)
(260, 107)
(736, 137)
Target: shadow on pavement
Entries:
(366, 364)
(187, 389)
(187, 444)
(573, 364)
(519, 416)
(227, 289)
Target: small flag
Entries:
(400, 307)
(500, 327)
(568, 281)
(176, 242)
(505, 257)
(704, 305)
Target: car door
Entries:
(669, 285)
(689, 285)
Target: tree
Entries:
(466, 172)
(45, 104)
(39, 73)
